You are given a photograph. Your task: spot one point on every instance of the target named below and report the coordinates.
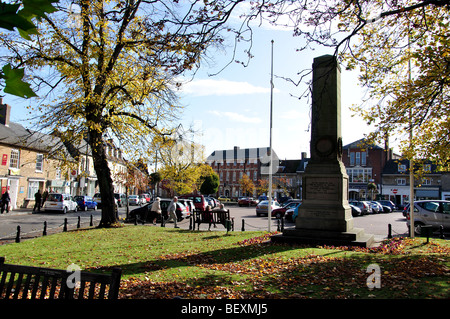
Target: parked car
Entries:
(355, 211)
(188, 203)
(429, 212)
(224, 199)
(134, 200)
(262, 197)
(363, 206)
(382, 208)
(144, 211)
(263, 207)
(199, 201)
(143, 199)
(85, 202)
(121, 199)
(98, 199)
(281, 212)
(289, 215)
(388, 203)
(376, 207)
(147, 198)
(60, 202)
(247, 201)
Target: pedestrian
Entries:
(208, 216)
(5, 202)
(44, 197)
(37, 201)
(171, 211)
(156, 209)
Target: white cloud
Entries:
(221, 88)
(237, 117)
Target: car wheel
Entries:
(418, 229)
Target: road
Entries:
(32, 224)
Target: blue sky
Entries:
(232, 108)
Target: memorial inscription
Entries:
(322, 188)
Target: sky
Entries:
(232, 108)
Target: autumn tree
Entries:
(107, 69)
(400, 48)
(247, 186)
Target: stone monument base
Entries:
(354, 237)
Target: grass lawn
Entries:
(165, 263)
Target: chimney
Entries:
(5, 112)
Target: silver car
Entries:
(429, 212)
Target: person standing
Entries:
(156, 210)
(171, 210)
(5, 202)
(37, 201)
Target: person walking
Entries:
(37, 201)
(156, 210)
(5, 202)
(171, 210)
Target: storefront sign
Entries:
(5, 159)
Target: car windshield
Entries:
(79, 198)
(54, 197)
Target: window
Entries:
(32, 189)
(430, 206)
(427, 168)
(363, 158)
(358, 158)
(426, 181)
(14, 160)
(352, 159)
(39, 162)
(360, 175)
(401, 181)
(401, 168)
(58, 173)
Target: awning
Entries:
(427, 193)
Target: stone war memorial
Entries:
(325, 217)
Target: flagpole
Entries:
(269, 208)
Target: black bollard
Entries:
(79, 222)
(65, 225)
(441, 232)
(282, 224)
(278, 225)
(18, 235)
(92, 221)
(190, 223)
(243, 227)
(44, 233)
(389, 231)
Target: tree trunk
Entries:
(109, 215)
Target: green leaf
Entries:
(10, 18)
(14, 84)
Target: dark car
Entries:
(144, 212)
(280, 212)
(85, 202)
(388, 203)
(247, 201)
(199, 201)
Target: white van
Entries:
(60, 202)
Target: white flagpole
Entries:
(269, 209)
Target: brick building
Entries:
(231, 165)
(30, 161)
(364, 164)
